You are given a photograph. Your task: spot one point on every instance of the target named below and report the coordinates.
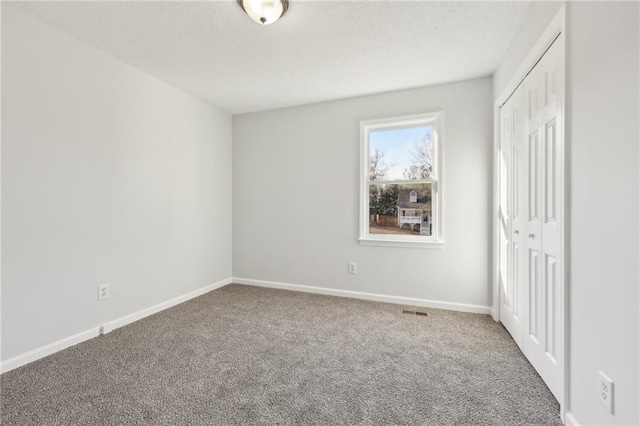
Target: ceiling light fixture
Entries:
(264, 12)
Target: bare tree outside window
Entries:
(422, 159)
(378, 166)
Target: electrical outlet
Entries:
(353, 268)
(103, 291)
(606, 391)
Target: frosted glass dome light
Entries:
(264, 12)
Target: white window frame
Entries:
(434, 119)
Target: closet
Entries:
(531, 216)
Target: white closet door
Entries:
(531, 217)
(543, 334)
(511, 223)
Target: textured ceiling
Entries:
(320, 50)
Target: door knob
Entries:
(532, 235)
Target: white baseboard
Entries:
(51, 348)
(451, 306)
(494, 313)
(128, 319)
(43, 351)
(569, 420)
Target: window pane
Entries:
(393, 211)
(401, 154)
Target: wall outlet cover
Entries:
(103, 291)
(606, 391)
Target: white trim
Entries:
(128, 319)
(435, 119)
(570, 420)
(51, 348)
(495, 216)
(403, 182)
(401, 122)
(399, 300)
(495, 314)
(386, 242)
(556, 27)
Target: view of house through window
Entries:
(401, 178)
(392, 211)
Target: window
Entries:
(401, 181)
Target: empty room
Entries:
(262, 212)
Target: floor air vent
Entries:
(408, 312)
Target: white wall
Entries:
(295, 197)
(108, 176)
(603, 87)
(540, 15)
(602, 138)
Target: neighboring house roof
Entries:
(423, 201)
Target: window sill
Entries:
(401, 243)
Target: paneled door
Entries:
(510, 215)
(532, 297)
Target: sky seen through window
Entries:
(397, 145)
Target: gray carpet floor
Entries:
(247, 355)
